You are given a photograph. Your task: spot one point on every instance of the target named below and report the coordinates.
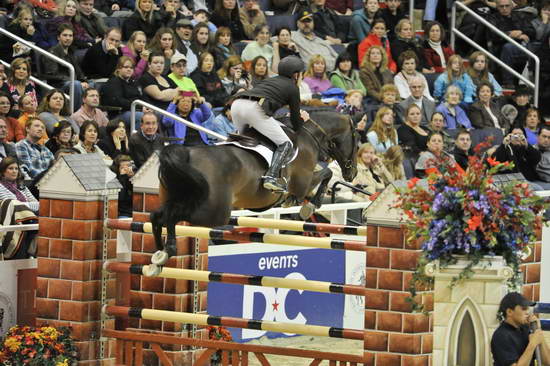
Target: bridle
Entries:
(331, 149)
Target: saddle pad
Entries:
(261, 150)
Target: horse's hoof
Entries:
(160, 258)
(170, 248)
(290, 201)
(307, 210)
(151, 270)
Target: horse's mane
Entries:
(315, 112)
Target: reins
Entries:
(331, 150)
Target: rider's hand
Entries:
(304, 115)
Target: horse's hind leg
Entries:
(308, 208)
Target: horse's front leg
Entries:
(324, 176)
(156, 223)
(308, 207)
(170, 246)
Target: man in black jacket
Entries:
(516, 26)
(90, 20)
(59, 75)
(327, 24)
(145, 141)
(101, 59)
(463, 148)
(256, 107)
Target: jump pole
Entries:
(239, 279)
(208, 233)
(297, 225)
(204, 319)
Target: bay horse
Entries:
(202, 184)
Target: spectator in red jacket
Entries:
(377, 37)
(436, 51)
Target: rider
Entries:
(256, 107)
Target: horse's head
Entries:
(343, 146)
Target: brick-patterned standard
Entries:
(164, 294)
(69, 271)
(394, 336)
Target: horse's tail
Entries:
(186, 186)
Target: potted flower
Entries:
(218, 333)
(45, 346)
(463, 215)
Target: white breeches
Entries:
(246, 112)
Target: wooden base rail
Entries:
(129, 351)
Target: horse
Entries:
(202, 184)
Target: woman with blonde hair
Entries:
(374, 72)
(66, 14)
(382, 134)
(478, 69)
(231, 75)
(393, 160)
(135, 49)
(144, 18)
(372, 175)
(316, 75)
(455, 75)
(22, 26)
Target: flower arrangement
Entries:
(464, 213)
(45, 346)
(218, 333)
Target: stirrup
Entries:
(278, 185)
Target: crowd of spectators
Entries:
(413, 100)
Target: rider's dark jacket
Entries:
(274, 93)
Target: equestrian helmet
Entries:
(290, 65)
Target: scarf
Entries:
(437, 48)
(13, 188)
(226, 51)
(410, 41)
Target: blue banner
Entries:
(274, 304)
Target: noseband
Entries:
(331, 149)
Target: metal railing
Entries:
(50, 56)
(455, 32)
(173, 116)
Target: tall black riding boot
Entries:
(271, 179)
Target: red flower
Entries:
(492, 161)
(474, 222)
(412, 182)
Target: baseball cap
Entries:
(304, 14)
(184, 23)
(177, 57)
(522, 90)
(513, 299)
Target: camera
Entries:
(516, 137)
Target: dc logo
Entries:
(275, 299)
